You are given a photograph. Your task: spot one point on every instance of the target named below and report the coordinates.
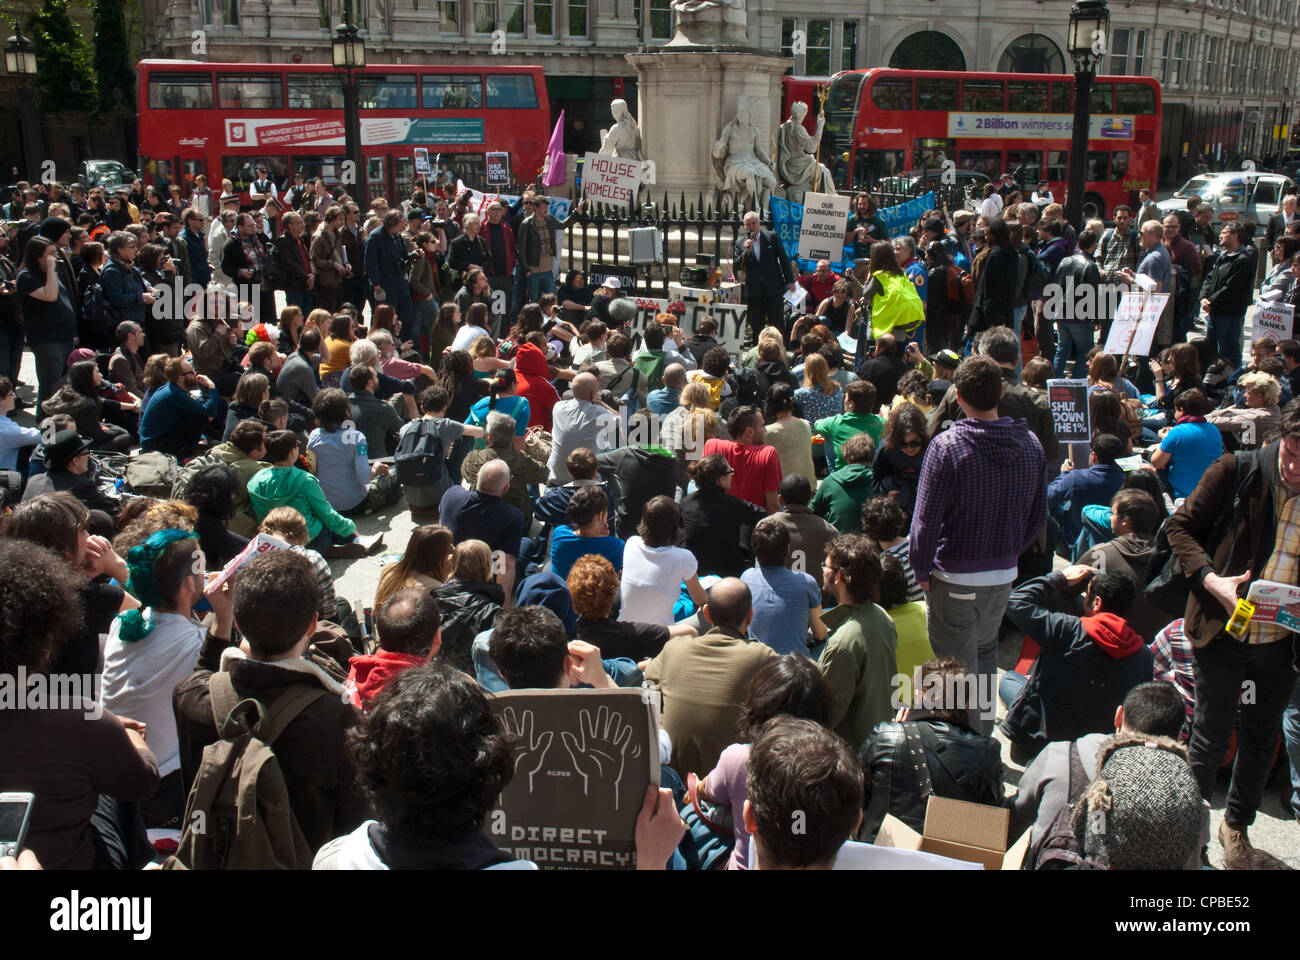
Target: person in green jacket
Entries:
(860, 657)
(858, 417)
(244, 451)
(840, 496)
(284, 485)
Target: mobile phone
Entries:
(15, 817)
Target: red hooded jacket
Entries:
(370, 674)
(533, 380)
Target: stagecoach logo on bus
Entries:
(315, 132)
(1044, 126)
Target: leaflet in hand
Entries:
(796, 297)
(258, 545)
(1275, 602)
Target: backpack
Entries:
(633, 393)
(238, 814)
(652, 366)
(273, 274)
(187, 473)
(1037, 276)
(744, 392)
(96, 317)
(420, 458)
(961, 287)
(1059, 846)
(152, 474)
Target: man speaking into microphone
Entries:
(762, 265)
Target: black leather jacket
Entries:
(904, 763)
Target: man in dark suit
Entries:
(1278, 223)
(758, 254)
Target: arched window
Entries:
(928, 50)
(1032, 53)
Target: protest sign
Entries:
(1069, 400)
(1135, 322)
(583, 760)
(730, 318)
(422, 160)
(821, 229)
(598, 273)
(258, 545)
(611, 180)
(787, 221)
(1272, 320)
(498, 169)
(902, 217)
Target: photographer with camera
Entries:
(243, 259)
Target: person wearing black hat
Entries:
(263, 188)
(67, 463)
(60, 231)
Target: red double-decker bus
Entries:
(226, 119)
(886, 123)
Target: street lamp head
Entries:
(20, 54)
(349, 49)
(1089, 33)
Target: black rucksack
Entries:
(420, 458)
(97, 320)
(1060, 847)
(272, 274)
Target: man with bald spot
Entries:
(581, 421)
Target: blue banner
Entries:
(787, 218)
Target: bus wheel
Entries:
(1093, 207)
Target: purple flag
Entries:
(556, 168)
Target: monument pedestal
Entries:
(685, 95)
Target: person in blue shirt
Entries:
(1154, 261)
(1189, 446)
(586, 532)
(13, 436)
(786, 603)
(1076, 488)
(663, 401)
(174, 419)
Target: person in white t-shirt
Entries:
(991, 205)
(654, 568)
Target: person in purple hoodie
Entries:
(980, 503)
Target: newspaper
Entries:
(1275, 602)
(258, 545)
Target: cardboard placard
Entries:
(1272, 320)
(598, 273)
(1135, 323)
(583, 760)
(498, 169)
(611, 180)
(1070, 413)
(821, 230)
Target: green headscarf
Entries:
(135, 625)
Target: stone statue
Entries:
(796, 159)
(623, 139)
(742, 170)
(710, 22)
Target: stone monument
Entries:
(685, 96)
(796, 158)
(742, 170)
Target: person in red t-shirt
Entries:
(757, 466)
(820, 283)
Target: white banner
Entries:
(729, 316)
(611, 180)
(1272, 320)
(1135, 323)
(821, 232)
(1035, 126)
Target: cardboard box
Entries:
(964, 831)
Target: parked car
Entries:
(1240, 194)
(104, 173)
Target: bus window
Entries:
(469, 167)
(453, 93)
(180, 91)
(936, 94)
(315, 91)
(841, 116)
(189, 170)
(511, 91)
(1103, 98)
(987, 162)
(930, 154)
(158, 173)
(260, 92)
(1098, 161)
(1026, 166)
(892, 94)
(1134, 98)
(870, 165)
(1027, 96)
(396, 92)
(403, 176)
(1118, 165)
(982, 95)
(1062, 98)
(327, 168)
(375, 181)
(241, 171)
(1058, 165)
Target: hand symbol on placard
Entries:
(530, 751)
(602, 749)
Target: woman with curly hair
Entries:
(594, 587)
(897, 465)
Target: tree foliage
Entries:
(63, 61)
(113, 70)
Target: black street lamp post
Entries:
(1088, 39)
(20, 61)
(349, 57)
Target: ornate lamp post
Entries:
(20, 61)
(349, 57)
(1088, 39)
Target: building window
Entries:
(1140, 54)
(360, 14)
(485, 16)
(787, 41)
(577, 18)
(1235, 75)
(1119, 51)
(1256, 68)
(544, 17)
(205, 12)
(231, 11)
(849, 46)
(817, 61)
(324, 14)
(1180, 49)
(1211, 61)
(514, 18)
(661, 20)
(449, 13)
